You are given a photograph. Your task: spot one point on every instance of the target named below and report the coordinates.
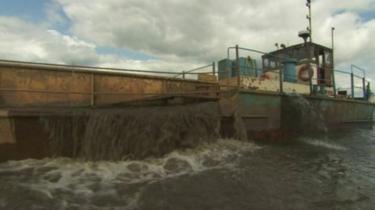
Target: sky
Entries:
(175, 35)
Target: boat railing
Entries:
(207, 69)
(107, 70)
(314, 82)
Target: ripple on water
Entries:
(99, 185)
(325, 143)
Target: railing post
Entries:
(333, 82)
(352, 83)
(333, 61)
(368, 91)
(281, 80)
(310, 52)
(238, 68)
(183, 74)
(364, 87)
(92, 90)
(213, 68)
(310, 84)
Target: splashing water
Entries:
(302, 116)
(325, 143)
(58, 183)
(132, 133)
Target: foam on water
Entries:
(323, 143)
(64, 178)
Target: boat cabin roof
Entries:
(298, 52)
(301, 53)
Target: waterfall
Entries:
(132, 133)
(301, 116)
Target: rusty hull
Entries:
(29, 92)
(35, 85)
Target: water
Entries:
(333, 172)
(132, 133)
(302, 116)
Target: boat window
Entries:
(265, 62)
(328, 57)
(320, 60)
(272, 64)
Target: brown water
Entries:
(333, 172)
(132, 133)
(172, 158)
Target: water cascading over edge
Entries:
(132, 133)
(301, 117)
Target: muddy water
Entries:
(333, 172)
(133, 132)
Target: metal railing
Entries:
(98, 70)
(312, 81)
(193, 71)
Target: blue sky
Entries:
(35, 11)
(32, 10)
(368, 15)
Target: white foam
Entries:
(324, 143)
(80, 178)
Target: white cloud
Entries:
(200, 31)
(183, 34)
(25, 41)
(21, 40)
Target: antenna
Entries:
(304, 35)
(308, 4)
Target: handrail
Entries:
(191, 70)
(353, 67)
(80, 68)
(252, 50)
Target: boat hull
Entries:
(31, 94)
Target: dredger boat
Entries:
(108, 113)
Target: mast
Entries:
(308, 4)
(333, 60)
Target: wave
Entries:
(65, 179)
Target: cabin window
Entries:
(328, 58)
(272, 64)
(320, 60)
(265, 63)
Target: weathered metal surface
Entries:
(343, 111)
(25, 87)
(259, 111)
(114, 89)
(30, 139)
(55, 86)
(7, 131)
(313, 115)
(250, 114)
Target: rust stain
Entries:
(22, 87)
(6, 131)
